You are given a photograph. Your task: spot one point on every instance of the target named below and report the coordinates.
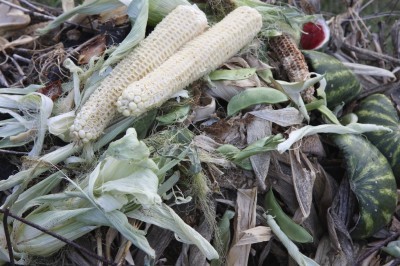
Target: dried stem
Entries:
(6, 213)
(35, 14)
(376, 248)
(375, 55)
(59, 237)
(14, 152)
(99, 245)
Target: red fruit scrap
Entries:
(315, 35)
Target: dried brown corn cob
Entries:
(292, 60)
(179, 27)
(196, 59)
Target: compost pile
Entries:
(230, 132)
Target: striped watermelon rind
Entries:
(342, 84)
(378, 109)
(371, 180)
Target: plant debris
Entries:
(258, 160)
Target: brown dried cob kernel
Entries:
(292, 60)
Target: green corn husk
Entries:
(123, 184)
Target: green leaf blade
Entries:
(253, 96)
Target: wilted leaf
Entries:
(12, 18)
(224, 90)
(95, 47)
(393, 249)
(326, 255)
(163, 216)
(303, 176)
(203, 112)
(355, 128)
(369, 70)
(293, 90)
(257, 129)
(4, 44)
(59, 125)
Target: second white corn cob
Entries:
(180, 26)
(196, 59)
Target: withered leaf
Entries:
(245, 218)
(303, 176)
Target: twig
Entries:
(59, 237)
(7, 234)
(20, 71)
(33, 13)
(38, 9)
(376, 247)
(395, 262)
(379, 89)
(48, 17)
(14, 152)
(3, 80)
(373, 54)
(99, 245)
(21, 59)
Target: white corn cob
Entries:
(180, 26)
(194, 60)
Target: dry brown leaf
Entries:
(395, 225)
(372, 260)
(245, 83)
(67, 5)
(284, 117)
(280, 178)
(93, 47)
(206, 147)
(23, 40)
(117, 16)
(258, 129)
(303, 176)
(12, 18)
(159, 239)
(205, 110)
(327, 256)
(312, 145)
(325, 188)
(254, 235)
(245, 218)
(230, 131)
(254, 62)
(236, 62)
(337, 219)
(224, 90)
(53, 90)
